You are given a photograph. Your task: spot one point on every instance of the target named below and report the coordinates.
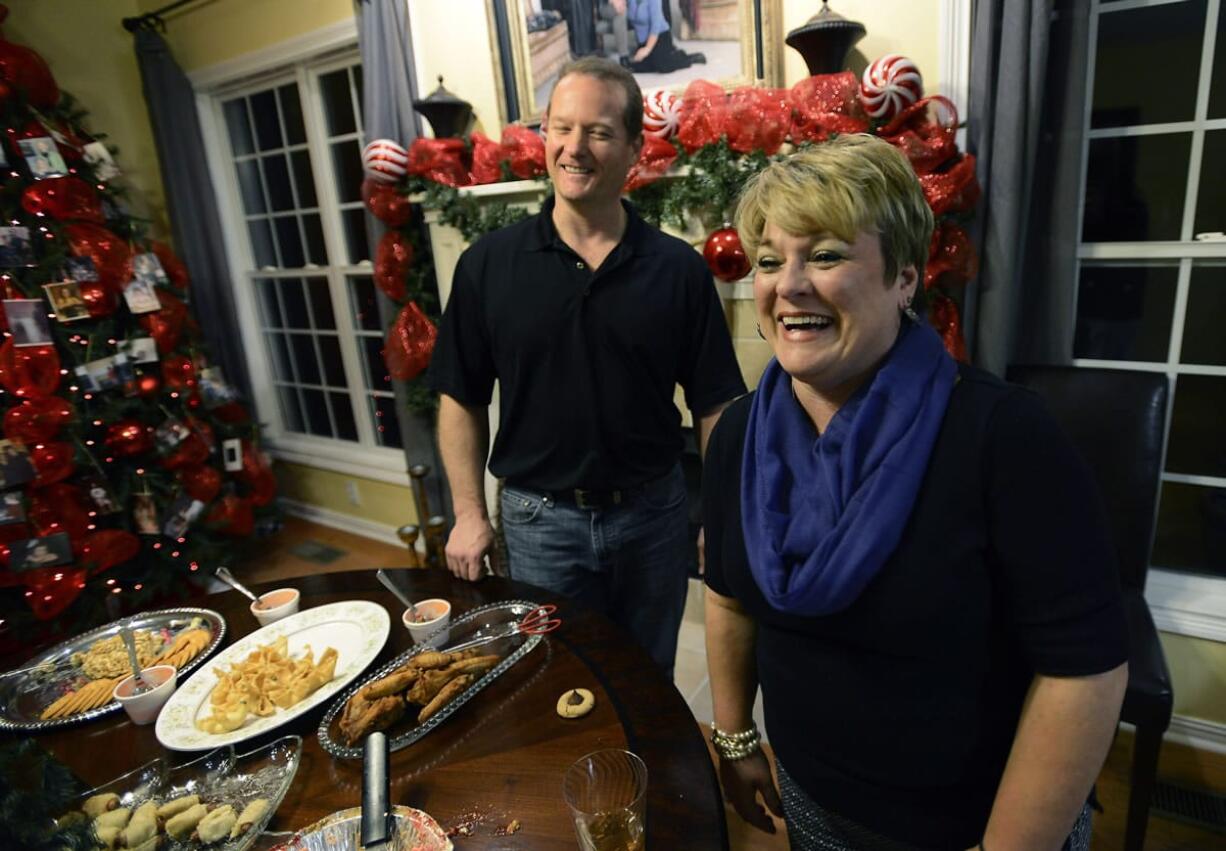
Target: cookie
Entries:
(576, 703)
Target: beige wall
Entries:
(1198, 675)
(381, 502)
(92, 57)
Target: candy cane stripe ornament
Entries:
(890, 85)
(661, 114)
(384, 161)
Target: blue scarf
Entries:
(822, 514)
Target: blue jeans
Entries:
(626, 561)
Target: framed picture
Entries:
(140, 295)
(66, 301)
(12, 508)
(81, 269)
(15, 466)
(28, 321)
(666, 44)
(15, 247)
(33, 553)
(42, 157)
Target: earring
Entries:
(758, 327)
(909, 312)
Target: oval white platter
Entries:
(357, 629)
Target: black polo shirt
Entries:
(586, 360)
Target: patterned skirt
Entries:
(810, 828)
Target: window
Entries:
(291, 146)
(1151, 292)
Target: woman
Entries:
(905, 553)
(656, 52)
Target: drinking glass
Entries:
(606, 793)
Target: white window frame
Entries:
(1181, 602)
(302, 59)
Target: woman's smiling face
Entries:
(826, 308)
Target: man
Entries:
(588, 317)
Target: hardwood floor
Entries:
(1178, 764)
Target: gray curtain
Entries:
(388, 91)
(191, 203)
(1027, 98)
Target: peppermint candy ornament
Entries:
(384, 161)
(661, 114)
(890, 85)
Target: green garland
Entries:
(34, 791)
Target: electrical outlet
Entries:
(351, 489)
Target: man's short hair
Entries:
(852, 183)
(610, 72)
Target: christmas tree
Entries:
(128, 466)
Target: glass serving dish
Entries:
(414, 831)
(219, 777)
(25, 693)
(489, 628)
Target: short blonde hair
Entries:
(849, 184)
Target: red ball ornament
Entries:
(106, 548)
(386, 204)
(100, 300)
(38, 419)
(53, 462)
(148, 385)
(166, 325)
(112, 256)
(30, 370)
(128, 438)
(178, 372)
(53, 590)
(725, 255)
(63, 199)
(263, 488)
(233, 516)
(393, 258)
(23, 69)
(202, 483)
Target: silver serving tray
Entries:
(24, 696)
(220, 776)
(471, 625)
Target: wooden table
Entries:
(503, 754)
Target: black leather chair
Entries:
(1117, 419)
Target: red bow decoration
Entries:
(61, 507)
(53, 462)
(704, 115)
(393, 258)
(952, 261)
(37, 419)
(29, 371)
(386, 204)
(825, 104)
(165, 325)
(410, 343)
(233, 516)
(943, 314)
(758, 119)
(440, 161)
(63, 198)
(925, 140)
(656, 157)
(24, 70)
(525, 151)
(106, 548)
(112, 256)
(955, 190)
(54, 589)
(202, 483)
(172, 265)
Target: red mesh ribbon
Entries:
(704, 115)
(955, 190)
(924, 132)
(758, 119)
(487, 154)
(656, 157)
(439, 160)
(393, 258)
(525, 151)
(824, 104)
(29, 371)
(943, 314)
(952, 260)
(410, 342)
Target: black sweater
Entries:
(898, 712)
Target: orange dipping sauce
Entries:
(276, 599)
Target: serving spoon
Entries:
(387, 583)
(223, 573)
(139, 684)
